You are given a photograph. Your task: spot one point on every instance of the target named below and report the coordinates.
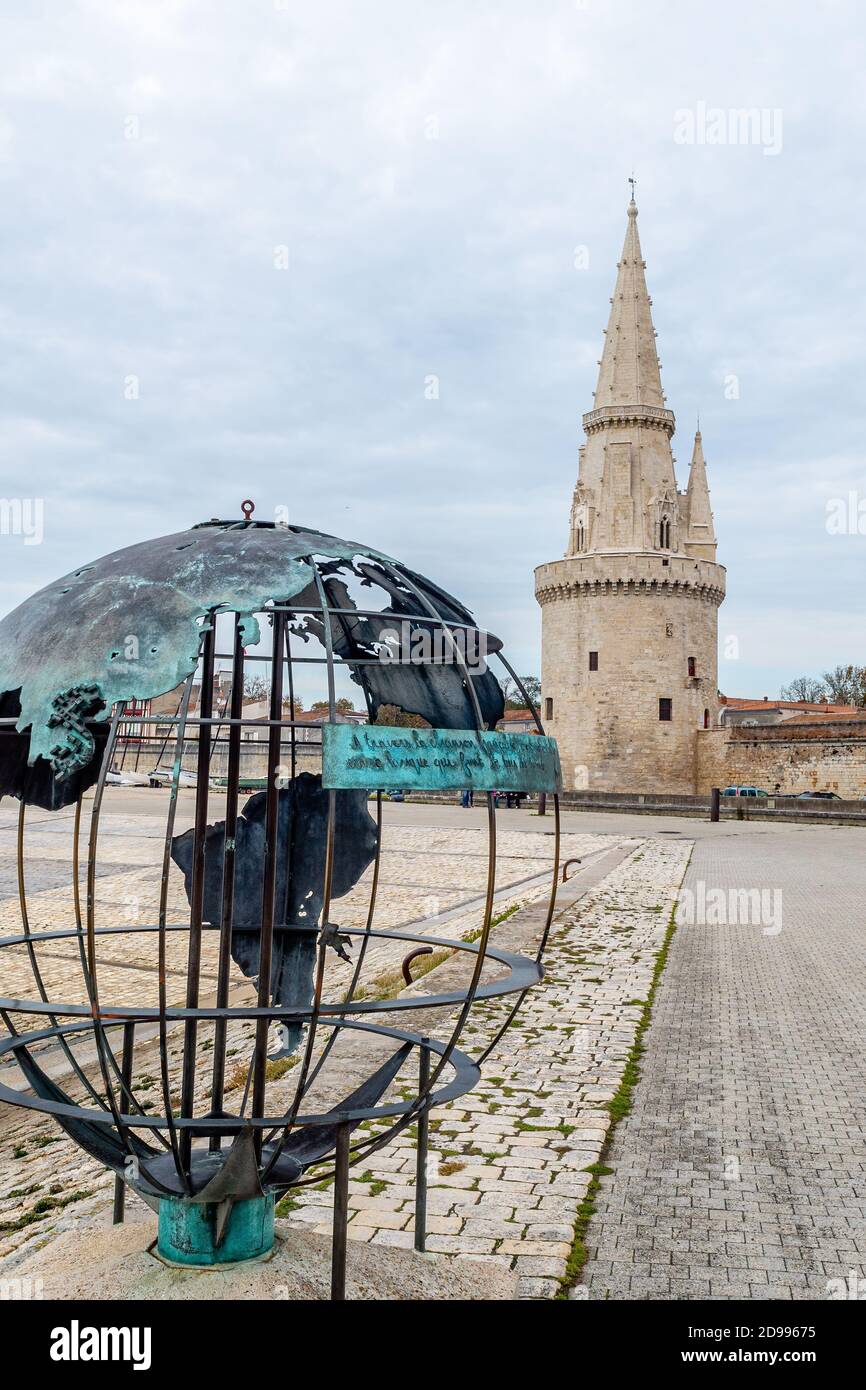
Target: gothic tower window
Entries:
(666, 519)
(580, 537)
(665, 709)
(706, 718)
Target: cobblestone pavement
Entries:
(507, 1163)
(741, 1170)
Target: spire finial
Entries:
(633, 182)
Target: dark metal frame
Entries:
(116, 1104)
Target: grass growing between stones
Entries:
(618, 1107)
(390, 983)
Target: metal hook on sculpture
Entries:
(408, 959)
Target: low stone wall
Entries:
(826, 756)
(787, 808)
(664, 803)
(152, 753)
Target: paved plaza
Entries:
(739, 1169)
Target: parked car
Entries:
(164, 776)
(744, 791)
(818, 796)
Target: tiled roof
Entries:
(839, 714)
(804, 706)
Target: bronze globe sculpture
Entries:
(258, 937)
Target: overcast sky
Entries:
(238, 241)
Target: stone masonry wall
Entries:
(644, 629)
(810, 758)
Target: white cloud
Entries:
(309, 126)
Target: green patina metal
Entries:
(128, 626)
(188, 1231)
(381, 758)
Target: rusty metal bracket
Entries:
(408, 959)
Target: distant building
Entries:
(310, 721)
(738, 713)
(630, 614)
(517, 721)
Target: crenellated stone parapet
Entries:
(629, 573)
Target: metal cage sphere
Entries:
(279, 1059)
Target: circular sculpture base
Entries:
(119, 1262)
(198, 1233)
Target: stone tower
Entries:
(629, 616)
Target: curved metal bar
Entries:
(34, 962)
(196, 896)
(218, 1071)
(103, 1047)
(362, 951)
(371, 906)
(312, 1028)
(491, 843)
(464, 1068)
(79, 933)
(165, 1079)
(551, 905)
(525, 972)
(269, 877)
(530, 705)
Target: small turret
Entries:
(700, 535)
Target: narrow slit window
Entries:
(693, 666)
(593, 661)
(548, 708)
(665, 709)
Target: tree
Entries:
(513, 695)
(256, 687)
(846, 685)
(804, 688)
(342, 706)
(398, 718)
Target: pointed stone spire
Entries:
(700, 532)
(629, 372)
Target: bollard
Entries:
(715, 796)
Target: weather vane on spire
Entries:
(633, 182)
